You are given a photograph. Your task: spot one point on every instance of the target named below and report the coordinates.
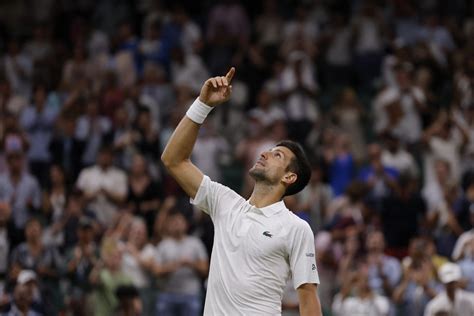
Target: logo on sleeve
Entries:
(310, 254)
(267, 234)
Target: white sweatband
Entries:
(198, 111)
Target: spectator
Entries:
(7, 233)
(395, 156)
(399, 108)
(452, 300)
(81, 260)
(384, 272)
(403, 216)
(338, 156)
(348, 114)
(315, 199)
(379, 178)
(418, 285)
(104, 187)
(212, 152)
(459, 249)
(22, 303)
(129, 302)
(364, 300)
(144, 195)
(182, 260)
(137, 255)
(91, 129)
(45, 261)
(66, 149)
(107, 277)
(299, 91)
(38, 121)
(18, 69)
(19, 188)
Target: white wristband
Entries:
(198, 111)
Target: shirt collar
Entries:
(273, 209)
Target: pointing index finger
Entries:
(230, 75)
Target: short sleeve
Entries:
(302, 256)
(213, 198)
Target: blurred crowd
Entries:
(379, 92)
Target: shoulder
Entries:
(296, 225)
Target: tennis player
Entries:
(258, 242)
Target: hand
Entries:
(217, 90)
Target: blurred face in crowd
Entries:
(92, 107)
(404, 78)
(375, 242)
(56, 175)
(362, 278)
(264, 98)
(120, 117)
(112, 259)
(138, 165)
(138, 233)
(33, 231)
(85, 234)
(105, 158)
(177, 225)
(15, 163)
(375, 155)
(144, 120)
(40, 96)
(5, 212)
(23, 297)
(272, 166)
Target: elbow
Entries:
(166, 160)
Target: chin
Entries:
(257, 174)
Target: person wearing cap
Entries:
(452, 300)
(22, 303)
(29, 279)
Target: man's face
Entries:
(15, 162)
(272, 165)
(33, 230)
(105, 159)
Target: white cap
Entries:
(26, 276)
(449, 272)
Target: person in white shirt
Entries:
(363, 301)
(258, 243)
(105, 187)
(452, 300)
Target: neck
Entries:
(264, 195)
(15, 176)
(451, 293)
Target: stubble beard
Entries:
(259, 175)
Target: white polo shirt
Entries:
(463, 304)
(254, 252)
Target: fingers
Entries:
(230, 75)
(217, 82)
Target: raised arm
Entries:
(177, 153)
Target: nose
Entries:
(264, 155)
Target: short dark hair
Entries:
(299, 164)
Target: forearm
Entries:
(309, 300)
(181, 143)
(311, 307)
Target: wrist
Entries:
(198, 111)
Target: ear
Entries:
(289, 178)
